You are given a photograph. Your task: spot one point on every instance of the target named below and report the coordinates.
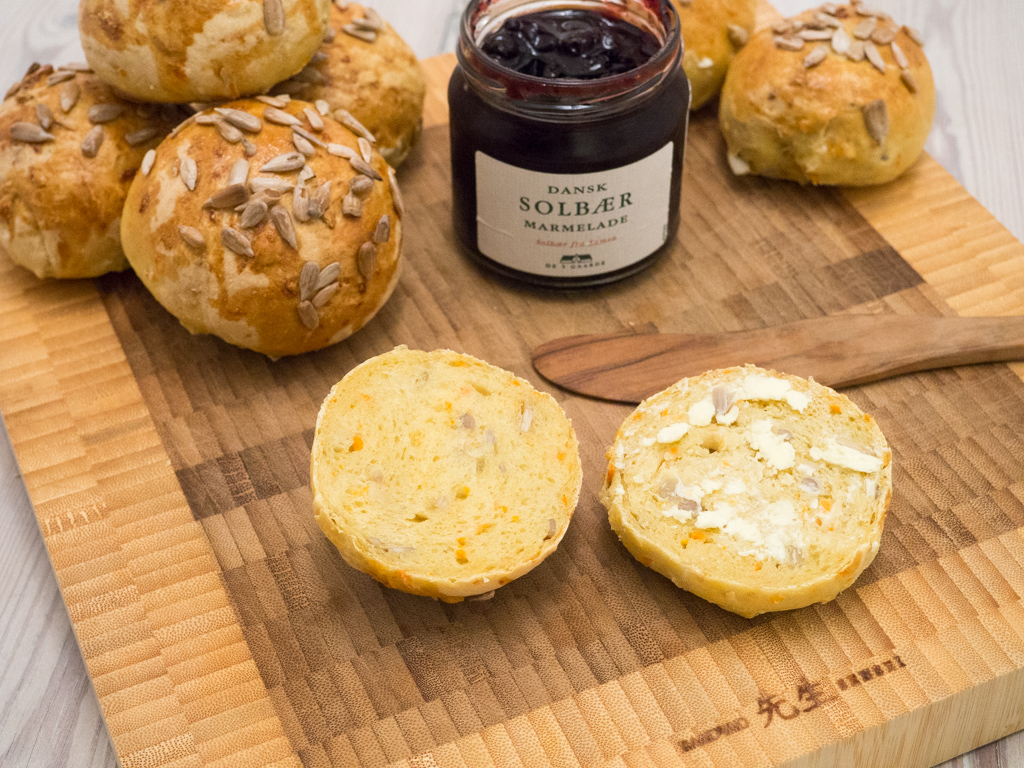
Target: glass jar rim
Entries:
(547, 97)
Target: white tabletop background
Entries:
(49, 715)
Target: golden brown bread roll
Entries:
(199, 50)
(266, 226)
(364, 67)
(713, 30)
(794, 108)
(69, 149)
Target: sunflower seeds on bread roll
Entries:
(755, 490)
(441, 475)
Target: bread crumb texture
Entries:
(441, 475)
(755, 490)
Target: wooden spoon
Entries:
(838, 351)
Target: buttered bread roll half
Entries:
(441, 475)
(199, 50)
(369, 78)
(840, 94)
(69, 149)
(713, 30)
(268, 224)
(752, 489)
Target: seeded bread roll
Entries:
(365, 69)
(199, 50)
(273, 227)
(829, 98)
(441, 475)
(68, 151)
(752, 489)
(713, 30)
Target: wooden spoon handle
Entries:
(838, 351)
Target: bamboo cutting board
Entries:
(169, 475)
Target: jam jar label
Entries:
(572, 224)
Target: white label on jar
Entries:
(572, 224)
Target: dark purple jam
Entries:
(570, 43)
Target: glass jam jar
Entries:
(564, 181)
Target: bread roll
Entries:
(713, 30)
(266, 226)
(69, 149)
(364, 68)
(441, 475)
(755, 490)
(199, 50)
(795, 108)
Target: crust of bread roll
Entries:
(808, 124)
(441, 475)
(199, 51)
(772, 524)
(709, 46)
(378, 81)
(262, 301)
(60, 210)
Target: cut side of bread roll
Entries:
(755, 490)
(441, 475)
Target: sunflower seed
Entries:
(783, 27)
(789, 43)
(340, 150)
(228, 197)
(351, 206)
(311, 138)
(737, 164)
(308, 315)
(270, 184)
(320, 200)
(283, 224)
(738, 35)
(328, 275)
(239, 172)
(396, 193)
(864, 30)
(141, 136)
(884, 35)
(280, 117)
(198, 106)
(13, 90)
(383, 231)
(147, 162)
(815, 24)
(810, 485)
(289, 161)
(365, 149)
(274, 101)
(315, 121)
(306, 174)
(300, 203)
(487, 595)
(363, 167)
(829, 20)
(206, 119)
(104, 113)
(365, 24)
(322, 107)
(92, 141)
(240, 119)
(360, 185)
(914, 35)
(815, 34)
(856, 52)
(30, 133)
(228, 132)
(830, 8)
(876, 120)
(192, 237)
(374, 18)
(899, 55)
(366, 35)
(273, 17)
(34, 67)
(862, 11)
(908, 80)
(310, 75)
(236, 242)
(78, 66)
(872, 55)
(347, 119)
(60, 76)
(815, 57)
(324, 295)
(329, 34)
(248, 148)
(723, 399)
(44, 116)
(307, 279)
(189, 172)
(303, 145)
(366, 260)
(841, 41)
(797, 25)
(253, 214)
(552, 528)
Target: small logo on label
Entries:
(577, 258)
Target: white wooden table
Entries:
(49, 715)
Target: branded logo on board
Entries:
(577, 258)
